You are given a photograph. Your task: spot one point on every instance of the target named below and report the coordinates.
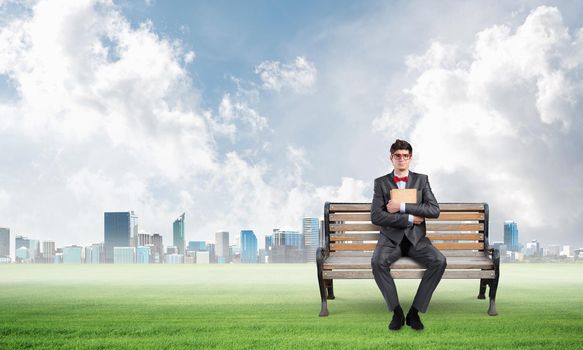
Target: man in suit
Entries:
(403, 234)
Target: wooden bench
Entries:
(460, 232)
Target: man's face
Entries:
(401, 159)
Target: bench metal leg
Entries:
(322, 284)
(494, 283)
(482, 291)
(330, 289)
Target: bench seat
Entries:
(453, 262)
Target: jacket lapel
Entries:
(391, 181)
(411, 179)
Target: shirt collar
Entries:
(394, 173)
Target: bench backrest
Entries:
(460, 230)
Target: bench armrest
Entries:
(322, 254)
(494, 253)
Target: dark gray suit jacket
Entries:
(395, 225)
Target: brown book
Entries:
(408, 195)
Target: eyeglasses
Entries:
(401, 156)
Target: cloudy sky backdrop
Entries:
(250, 115)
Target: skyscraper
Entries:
(178, 233)
(47, 252)
(34, 249)
(311, 233)
(211, 249)
(268, 242)
(511, 236)
(222, 246)
(288, 247)
(158, 253)
(48, 249)
(21, 248)
(117, 232)
(287, 238)
(248, 247)
(4, 241)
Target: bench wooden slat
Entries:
(362, 207)
(448, 274)
(443, 216)
(355, 207)
(431, 236)
(371, 246)
(429, 227)
(447, 253)
(407, 263)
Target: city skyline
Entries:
(252, 115)
(122, 240)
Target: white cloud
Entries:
(300, 76)
(106, 119)
(502, 119)
(232, 109)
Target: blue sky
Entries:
(249, 115)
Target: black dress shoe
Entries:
(397, 322)
(414, 321)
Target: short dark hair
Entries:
(401, 144)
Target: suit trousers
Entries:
(388, 251)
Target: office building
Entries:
(567, 251)
(21, 241)
(248, 254)
(178, 233)
(533, 248)
(268, 242)
(22, 255)
(511, 236)
(72, 254)
(133, 229)
(124, 255)
(174, 259)
(287, 247)
(143, 254)
(287, 238)
(553, 250)
(48, 249)
(117, 231)
(203, 257)
(34, 249)
(4, 242)
(143, 239)
(222, 246)
(94, 254)
(158, 250)
(311, 235)
(196, 246)
(211, 249)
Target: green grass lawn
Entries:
(540, 306)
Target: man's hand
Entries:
(418, 219)
(393, 206)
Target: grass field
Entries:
(540, 306)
